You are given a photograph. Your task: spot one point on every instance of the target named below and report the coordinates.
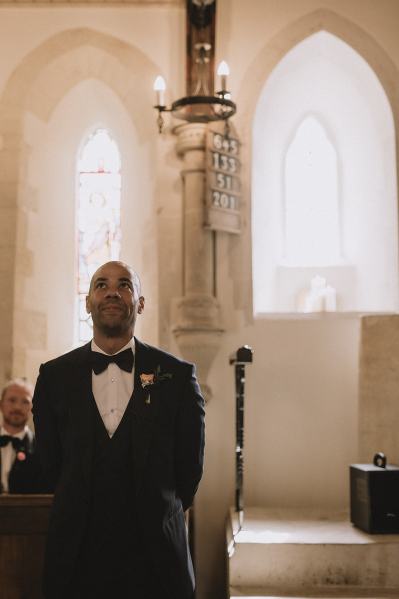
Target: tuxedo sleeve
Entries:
(48, 444)
(190, 437)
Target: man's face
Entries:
(113, 302)
(16, 406)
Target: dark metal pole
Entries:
(243, 356)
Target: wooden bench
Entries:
(23, 528)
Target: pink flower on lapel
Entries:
(21, 456)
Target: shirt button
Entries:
(112, 380)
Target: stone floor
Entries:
(253, 593)
(302, 554)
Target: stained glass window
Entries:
(99, 231)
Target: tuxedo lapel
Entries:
(28, 441)
(79, 398)
(144, 410)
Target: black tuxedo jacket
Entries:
(167, 460)
(25, 475)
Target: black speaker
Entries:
(374, 490)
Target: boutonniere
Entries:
(153, 379)
(21, 455)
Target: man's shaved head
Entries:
(114, 300)
(134, 276)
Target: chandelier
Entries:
(201, 106)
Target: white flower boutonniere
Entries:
(153, 379)
(146, 380)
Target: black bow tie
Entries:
(16, 442)
(99, 362)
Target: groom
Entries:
(120, 433)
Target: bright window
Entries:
(99, 230)
(311, 198)
(324, 198)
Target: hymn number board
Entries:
(223, 184)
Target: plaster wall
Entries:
(157, 31)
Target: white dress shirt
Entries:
(8, 454)
(112, 390)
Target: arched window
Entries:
(324, 209)
(311, 214)
(99, 231)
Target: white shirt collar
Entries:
(130, 344)
(20, 435)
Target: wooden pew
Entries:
(23, 528)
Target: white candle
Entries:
(159, 88)
(223, 72)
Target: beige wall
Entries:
(302, 399)
(63, 67)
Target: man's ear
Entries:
(88, 309)
(141, 304)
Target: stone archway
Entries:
(253, 81)
(36, 86)
(296, 32)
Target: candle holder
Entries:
(198, 108)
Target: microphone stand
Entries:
(243, 356)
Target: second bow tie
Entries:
(100, 362)
(15, 441)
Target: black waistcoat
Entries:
(111, 540)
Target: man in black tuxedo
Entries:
(19, 466)
(120, 433)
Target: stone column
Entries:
(378, 387)
(196, 316)
(23, 329)
(9, 151)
